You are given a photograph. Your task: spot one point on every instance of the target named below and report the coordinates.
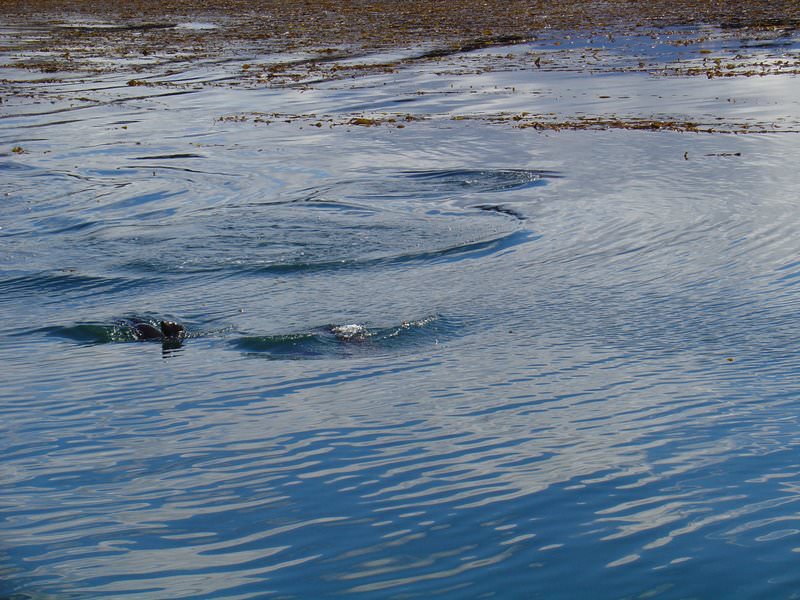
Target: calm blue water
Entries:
(454, 359)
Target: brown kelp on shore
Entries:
(300, 45)
(76, 34)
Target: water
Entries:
(453, 359)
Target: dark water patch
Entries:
(60, 226)
(364, 222)
(318, 197)
(470, 250)
(13, 166)
(29, 171)
(445, 183)
(142, 199)
(351, 340)
(53, 201)
(95, 333)
(168, 156)
(156, 93)
(780, 43)
(505, 210)
(476, 44)
(52, 111)
(311, 235)
(86, 106)
(60, 285)
(465, 251)
(480, 180)
(159, 167)
(107, 27)
(147, 169)
(378, 188)
(21, 596)
(52, 225)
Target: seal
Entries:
(168, 331)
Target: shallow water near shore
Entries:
(429, 352)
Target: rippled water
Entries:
(454, 359)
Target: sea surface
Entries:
(429, 354)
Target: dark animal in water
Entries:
(167, 331)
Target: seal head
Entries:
(172, 331)
(167, 331)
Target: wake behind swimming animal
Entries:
(350, 333)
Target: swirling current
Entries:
(453, 359)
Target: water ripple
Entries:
(57, 285)
(352, 340)
(607, 378)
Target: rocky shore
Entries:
(78, 27)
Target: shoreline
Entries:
(71, 28)
(265, 43)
